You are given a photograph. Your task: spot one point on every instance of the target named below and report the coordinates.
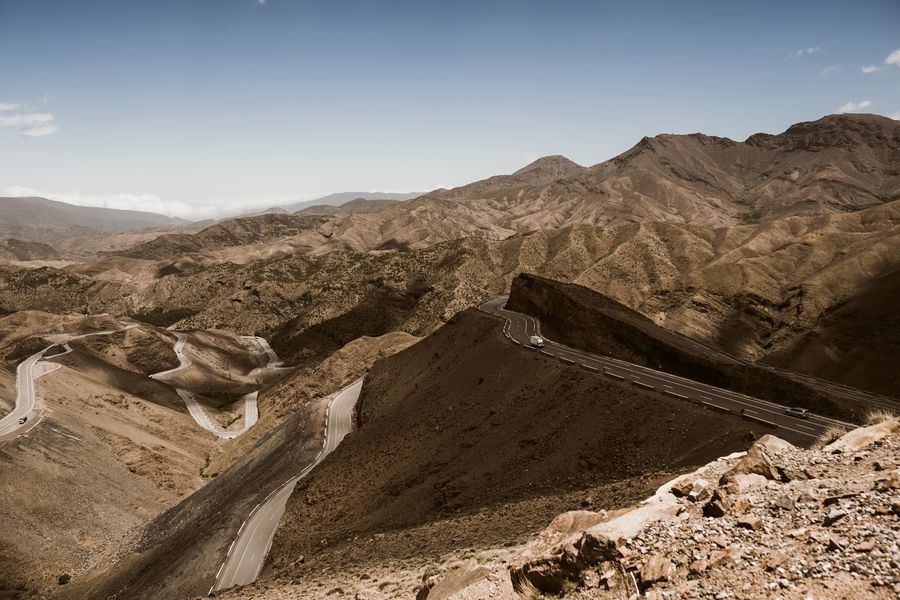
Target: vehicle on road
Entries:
(536, 341)
(22, 419)
(796, 411)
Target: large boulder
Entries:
(548, 574)
(756, 461)
(862, 437)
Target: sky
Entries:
(203, 108)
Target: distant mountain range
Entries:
(340, 198)
(39, 219)
(836, 164)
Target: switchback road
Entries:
(26, 395)
(250, 547)
(520, 327)
(251, 408)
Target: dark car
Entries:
(22, 420)
(796, 411)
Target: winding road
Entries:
(26, 395)
(518, 327)
(254, 539)
(251, 408)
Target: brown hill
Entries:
(583, 318)
(837, 164)
(39, 219)
(357, 206)
(749, 290)
(854, 342)
(23, 250)
(466, 440)
(229, 233)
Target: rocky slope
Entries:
(582, 318)
(749, 290)
(838, 164)
(778, 521)
(466, 440)
(773, 522)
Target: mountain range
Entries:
(751, 266)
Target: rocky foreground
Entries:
(776, 521)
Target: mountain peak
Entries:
(553, 166)
(841, 130)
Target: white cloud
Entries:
(854, 106)
(262, 2)
(805, 51)
(893, 58)
(40, 130)
(26, 120)
(895, 116)
(831, 70)
(217, 208)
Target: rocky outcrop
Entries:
(831, 532)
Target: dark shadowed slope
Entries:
(856, 343)
(487, 439)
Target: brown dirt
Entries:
(101, 462)
(141, 350)
(176, 555)
(579, 317)
(856, 343)
(466, 428)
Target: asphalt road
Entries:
(249, 549)
(26, 395)
(251, 408)
(520, 327)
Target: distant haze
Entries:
(343, 197)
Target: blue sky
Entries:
(197, 108)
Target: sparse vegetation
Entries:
(569, 587)
(832, 434)
(874, 417)
(749, 218)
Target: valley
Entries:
(349, 396)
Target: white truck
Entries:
(536, 341)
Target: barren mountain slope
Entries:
(837, 164)
(111, 449)
(746, 289)
(854, 341)
(466, 440)
(39, 219)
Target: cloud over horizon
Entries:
(29, 122)
(854, 106)
(212, 209)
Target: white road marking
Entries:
(706, 392)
